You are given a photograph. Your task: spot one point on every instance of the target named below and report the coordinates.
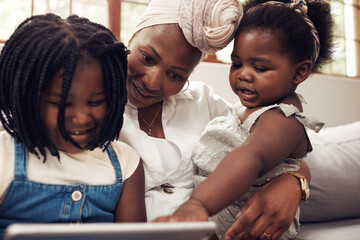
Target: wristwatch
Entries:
(305, 191)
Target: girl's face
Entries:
(160, 62)
(86, 106)
(261, 74)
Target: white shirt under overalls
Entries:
(88, 167)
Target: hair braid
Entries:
(40, 47)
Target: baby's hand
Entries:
(190, 211)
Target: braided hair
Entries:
(40, 47)
(291, 29)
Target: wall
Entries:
(332, 99)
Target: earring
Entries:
(187, 86)
(127, 51)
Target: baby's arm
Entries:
(271, 209)
(131, 206)
(273, 138)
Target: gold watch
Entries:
(305, 191)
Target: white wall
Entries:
(331, 99)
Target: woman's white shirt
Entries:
(169, 154)
(184, 116)
(88, 167)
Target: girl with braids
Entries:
(277, 46)
(62, 98)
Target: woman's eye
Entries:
(176, 76)
(146, 57)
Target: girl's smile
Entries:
(245, 93)
(85, 110)
(82, 137)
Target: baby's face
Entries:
(262, 73)
(86, 106)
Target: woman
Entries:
(163, 120)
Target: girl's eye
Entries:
(52, 103)
(97, 103)
(260, 69)
(57, 104)
(236, 65)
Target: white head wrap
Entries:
(208, 25)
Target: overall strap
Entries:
(115, 162)
(20, 160)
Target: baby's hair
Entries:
(291, 28)
(41, 46)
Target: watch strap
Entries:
(303, 185)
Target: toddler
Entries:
(277, 46)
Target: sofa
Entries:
(333, 210)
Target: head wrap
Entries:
(300, 6)
(208, 25)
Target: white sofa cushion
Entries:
(337, 230)
(335, 174)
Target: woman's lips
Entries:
(142, 94)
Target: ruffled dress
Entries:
(225, 133)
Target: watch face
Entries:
(307, 190)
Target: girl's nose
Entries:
(243, 74)
(79, 115)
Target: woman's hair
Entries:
(41, 46)
(291, 29)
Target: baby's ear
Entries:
(302, 71)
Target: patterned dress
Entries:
(221, 136)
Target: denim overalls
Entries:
(27, 201)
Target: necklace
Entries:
(152, 122)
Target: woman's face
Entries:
(160, 62)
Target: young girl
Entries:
(62, 98)
(277, 46)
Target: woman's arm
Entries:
(271, 209)
(274, 138)
(131, 206)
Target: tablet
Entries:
(112, 231)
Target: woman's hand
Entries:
(271, 210)
(190, 211)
